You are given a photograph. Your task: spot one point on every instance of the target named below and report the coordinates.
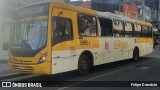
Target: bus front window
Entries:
(29, 35)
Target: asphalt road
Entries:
(116, 74)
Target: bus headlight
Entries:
(43, 58)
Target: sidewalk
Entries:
(4, 65)
(3, 61)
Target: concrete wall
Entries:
(4, 36)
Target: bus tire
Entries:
(83, 65)
(135, 54)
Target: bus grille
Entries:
(25, 69)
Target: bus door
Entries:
(63, 49)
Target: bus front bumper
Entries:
(44, 68)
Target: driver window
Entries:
(62, 27)
(62, 30)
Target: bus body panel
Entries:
(107, 50)
(68, 60)
(145, 45)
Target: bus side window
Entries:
(87, 25)
(137, 30)
(106, 27)
(62, 30)
(118, 28)
(145, 31)
(128, 29)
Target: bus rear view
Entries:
(28, 40)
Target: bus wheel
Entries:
(135, 54)
(83, 65)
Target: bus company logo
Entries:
(6, 84)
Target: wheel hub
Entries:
(84, 64)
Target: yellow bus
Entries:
(51, 38)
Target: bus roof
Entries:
(114, 16)
(74, 8)
(65, 6)
(143, 23)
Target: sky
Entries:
(77, 0)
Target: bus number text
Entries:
(84, 42)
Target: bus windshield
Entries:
(29, 29)
(29, 35)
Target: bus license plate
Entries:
(21, 67)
